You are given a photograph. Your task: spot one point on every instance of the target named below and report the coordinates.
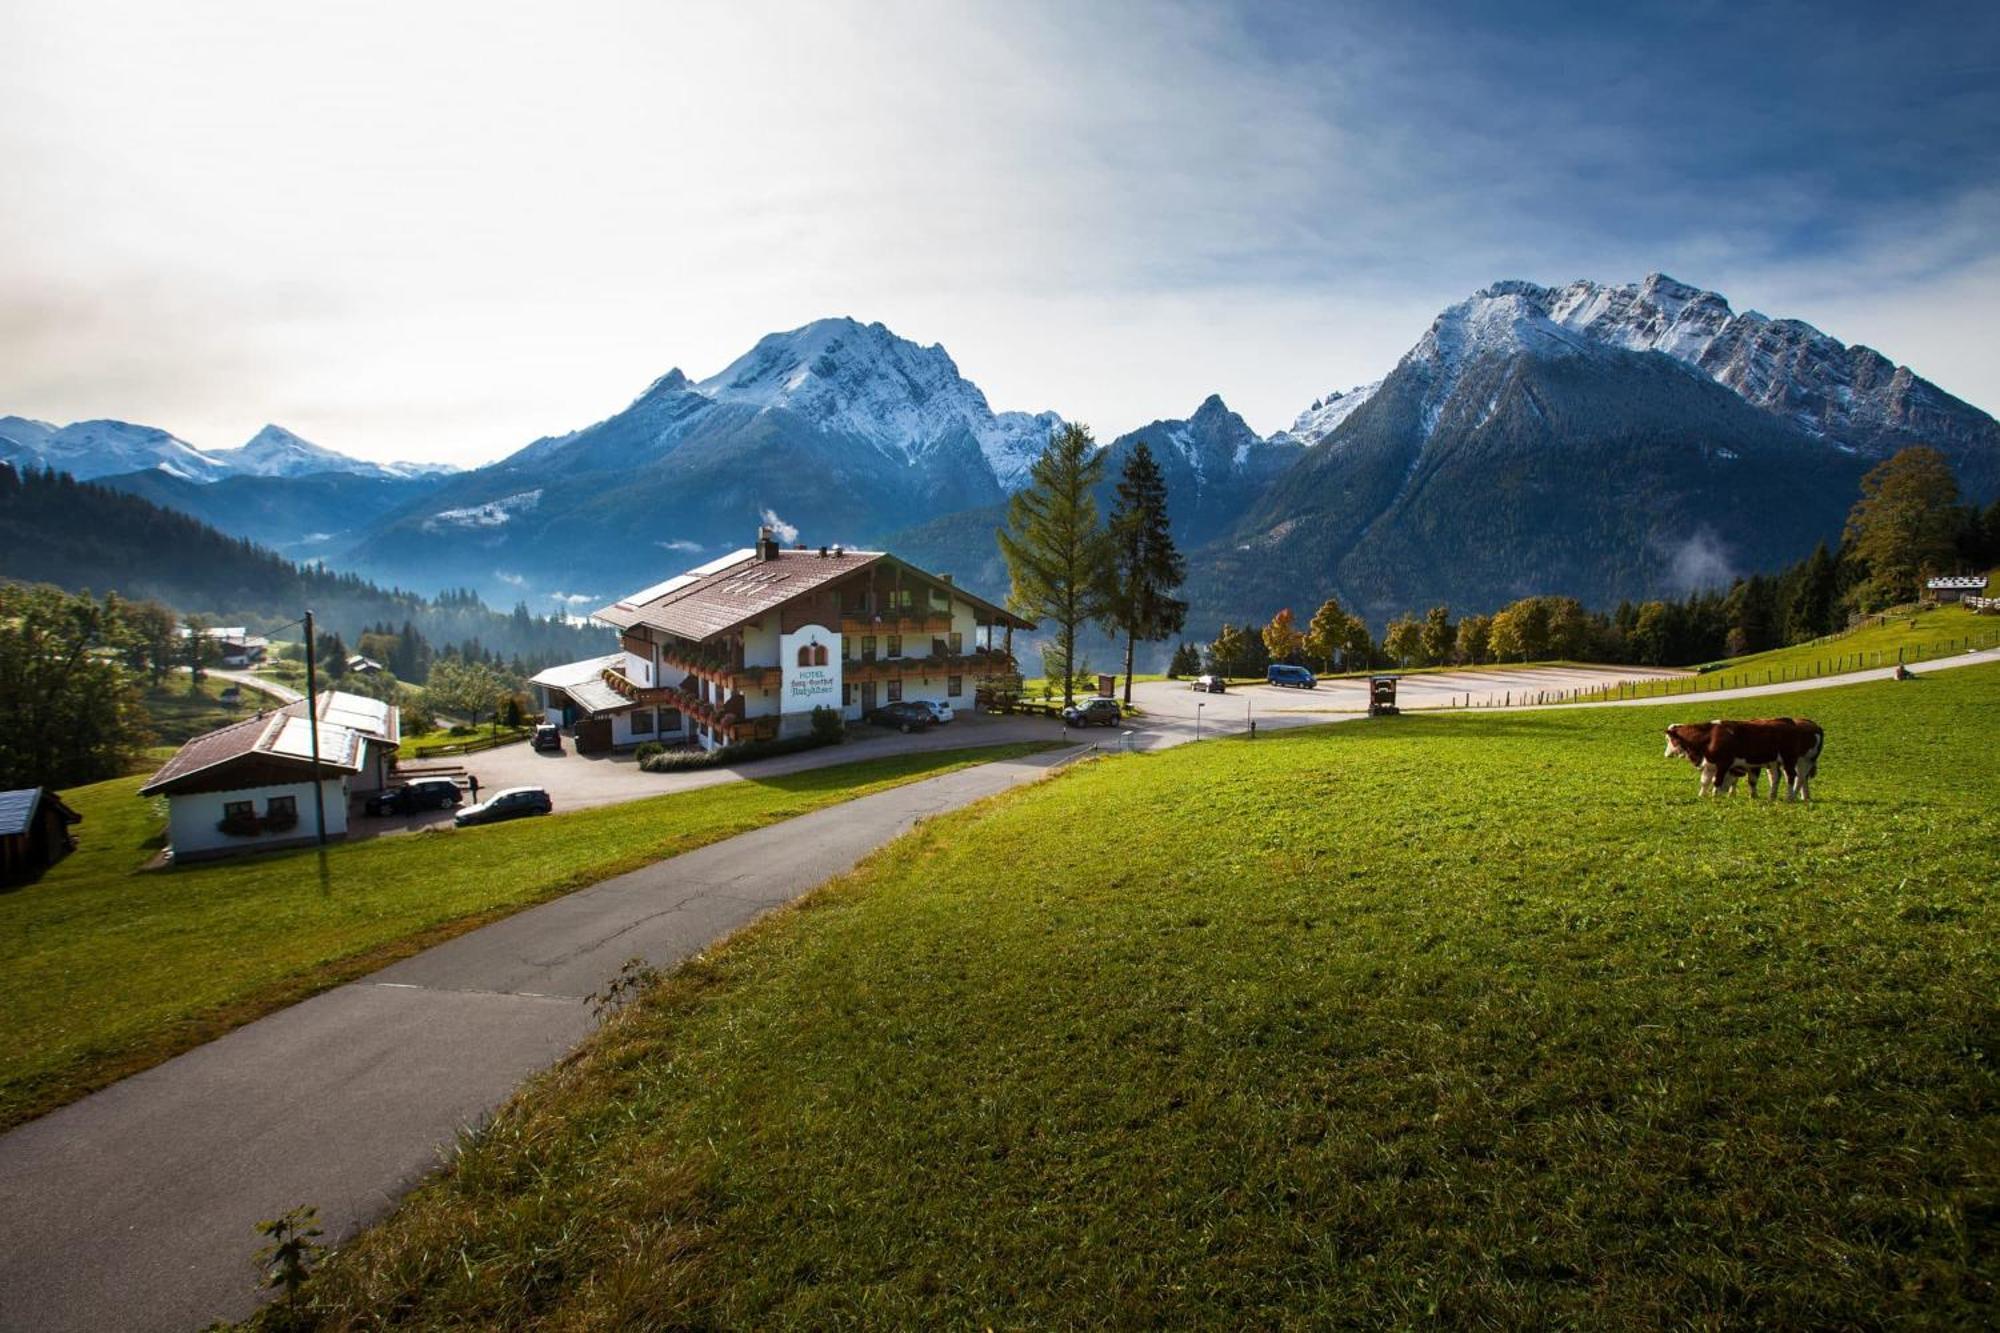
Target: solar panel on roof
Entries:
(337, 745)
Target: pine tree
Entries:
(1058, 554)
(1187, 662)
(1146, 565)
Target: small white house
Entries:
(249, 786)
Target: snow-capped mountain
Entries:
(1853, 398)
(857, 379)
(1585, 439)
(91, 449)
(277, 452)
(87, 449)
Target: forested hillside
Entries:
(77, 535)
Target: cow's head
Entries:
(1685, 740)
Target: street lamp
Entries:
(1199, 705)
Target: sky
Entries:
(439, 231)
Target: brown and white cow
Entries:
(1723, 750)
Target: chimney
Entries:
(767, 544)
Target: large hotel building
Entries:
(745, 647)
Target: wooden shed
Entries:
(34, 833)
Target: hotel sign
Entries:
(809, 663)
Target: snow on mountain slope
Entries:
(864, 381)
(1319, 421)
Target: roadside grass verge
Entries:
(1442, 1020)
(106, 970)
(462, 740)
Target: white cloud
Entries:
(681, 545)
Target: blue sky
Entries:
(435, 230)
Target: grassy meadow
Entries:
(1472, 1020)
(106, 969)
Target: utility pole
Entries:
(312, 729)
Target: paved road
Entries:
(135, 1208)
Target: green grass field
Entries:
(1483, 1021)
(467, 741)
(106, 970)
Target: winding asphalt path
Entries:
(136, 1207)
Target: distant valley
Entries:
(1597, 441)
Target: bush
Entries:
(647, 750)
(678, 761)
(827, 728)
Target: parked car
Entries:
(1210, 684)
(904, 715)
(411, 797)
(512, 803)
(1282, 674)
(1093, 712)
(939, 710)
(548, 736)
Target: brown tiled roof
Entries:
(704, 604)
(722, 595)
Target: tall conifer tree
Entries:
(1058, 552)
(1147, 567)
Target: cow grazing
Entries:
(1724, 750)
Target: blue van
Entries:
(1280, 674)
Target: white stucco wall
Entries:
(760, 642)
(191, 820)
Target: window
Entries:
(281, 807)
(642, 722)
(957, 643)
(805, 654)
(954, 686)
(232, 810)
(902, 599)
(847, 695)
(670, 719)
(895, 691)
(937, 647)
(868, 647)
(819, 654)
(895, 645)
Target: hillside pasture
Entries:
(1479, 1020)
